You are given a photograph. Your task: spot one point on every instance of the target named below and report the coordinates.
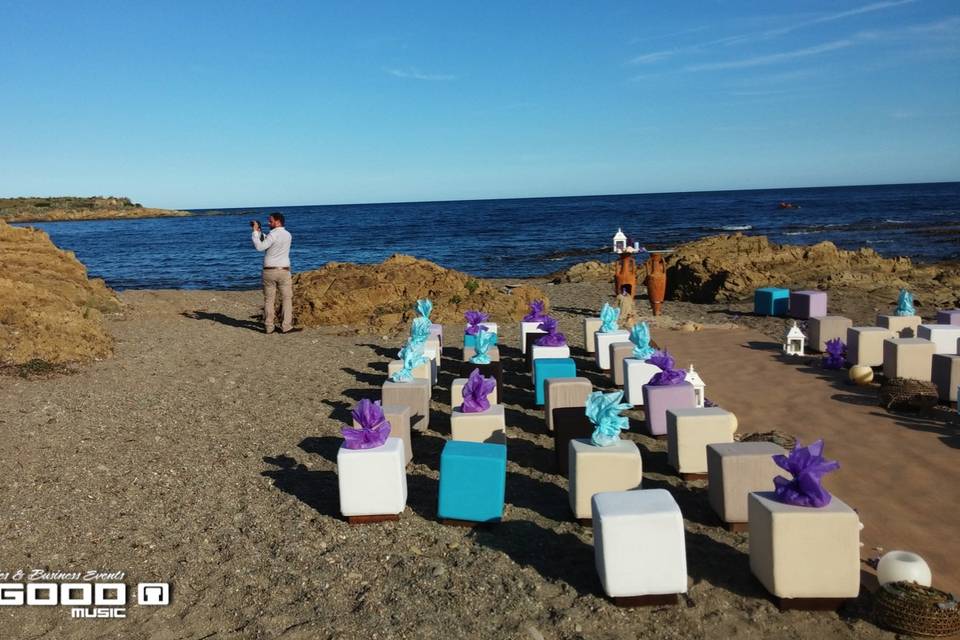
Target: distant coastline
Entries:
(75, 208)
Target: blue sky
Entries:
(220, 104)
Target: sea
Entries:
(510, 238)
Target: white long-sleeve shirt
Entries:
(276, 245)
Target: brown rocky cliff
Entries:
(49, 309)
(382, 296)
(730, 267)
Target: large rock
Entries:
(729, 267)
(590, 271)
(382, 296)
(49, 309)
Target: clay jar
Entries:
(656, 281)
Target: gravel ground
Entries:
(203, 454)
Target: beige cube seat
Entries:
(414, 394)
(903, 326)
(619, 351)
(908, 358)
(485, 426)
(804, 552)
(398, 416)
(734, 470)
(590, 327)
(424, 371)
(689, 431)
(561, 393)
(456, 393)
(865, 345)
(827, 328)
(946, 375)
(595, 469)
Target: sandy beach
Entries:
(203, 453)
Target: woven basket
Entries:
(785, 440)
(919, 611)
(904, 394)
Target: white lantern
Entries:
(795, 341)
(699, 388)
(619, 241)
(903, 566)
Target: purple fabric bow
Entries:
(807, 466)
(552, 337)
(474, 320)
(536, 313)
(668, 377)
(661, 359)
(834, 358)
(374, 428)
(475, 392)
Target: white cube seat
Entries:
(638, 542)
(636, 373)
(372, 481)
(945, 337)
(539, 351)
(601, 345)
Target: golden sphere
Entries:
(861, 374)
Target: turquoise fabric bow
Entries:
(603, 410)
(484, 340)
(425, 308)
(905, 304)
(420, 330)
(608, 318)
(640, 337)
(412, 357)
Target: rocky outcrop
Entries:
(591, 271)
(69, 208)
(49, 309)
(381, 296)
(729, 267)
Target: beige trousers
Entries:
(273, 278)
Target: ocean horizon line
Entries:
(567, 196)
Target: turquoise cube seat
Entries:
(471, 341)
(544, 368)
(771, 301)
(473, 478)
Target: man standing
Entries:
(276, 271)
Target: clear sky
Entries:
(232, 103)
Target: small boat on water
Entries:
(787, 205)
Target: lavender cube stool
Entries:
(808, 304)
(948, 316)
(658, 399)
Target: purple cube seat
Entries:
(948, 316)
(808, 304)
(658, 399)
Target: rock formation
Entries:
(590, 271)
(729, 267)
(49, 309)
(382, 296)
(71, 208)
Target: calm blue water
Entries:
(509, 238)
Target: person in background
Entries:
(276, 271)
